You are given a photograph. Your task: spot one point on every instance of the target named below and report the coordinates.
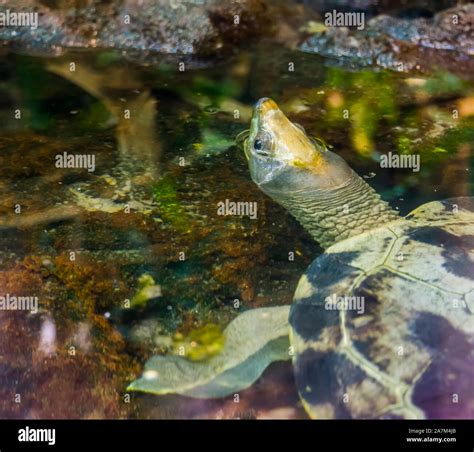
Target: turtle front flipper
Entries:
(253, 340)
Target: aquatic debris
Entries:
(109, 205)
(169, 204)
(200, 344)
(147, 290)
(233, 369)
(47, 337)
(312, 27)
(212, 142)
(51, 215)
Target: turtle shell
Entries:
(382, 324)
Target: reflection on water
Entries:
(132, 258)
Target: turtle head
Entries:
(283, 159)
(315, 185)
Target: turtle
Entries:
(382, 322)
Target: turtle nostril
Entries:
(265, 105)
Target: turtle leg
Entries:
(253, 340)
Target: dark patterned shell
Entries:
(382, 324)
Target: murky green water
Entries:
(81, 240)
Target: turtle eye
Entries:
(258, 145)
(262, 144)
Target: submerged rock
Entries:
(374, 7)
(446, 41)
(203, 30)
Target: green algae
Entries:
(169, 205)
(199, 344)
(147, 290)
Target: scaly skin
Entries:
(340, 214)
